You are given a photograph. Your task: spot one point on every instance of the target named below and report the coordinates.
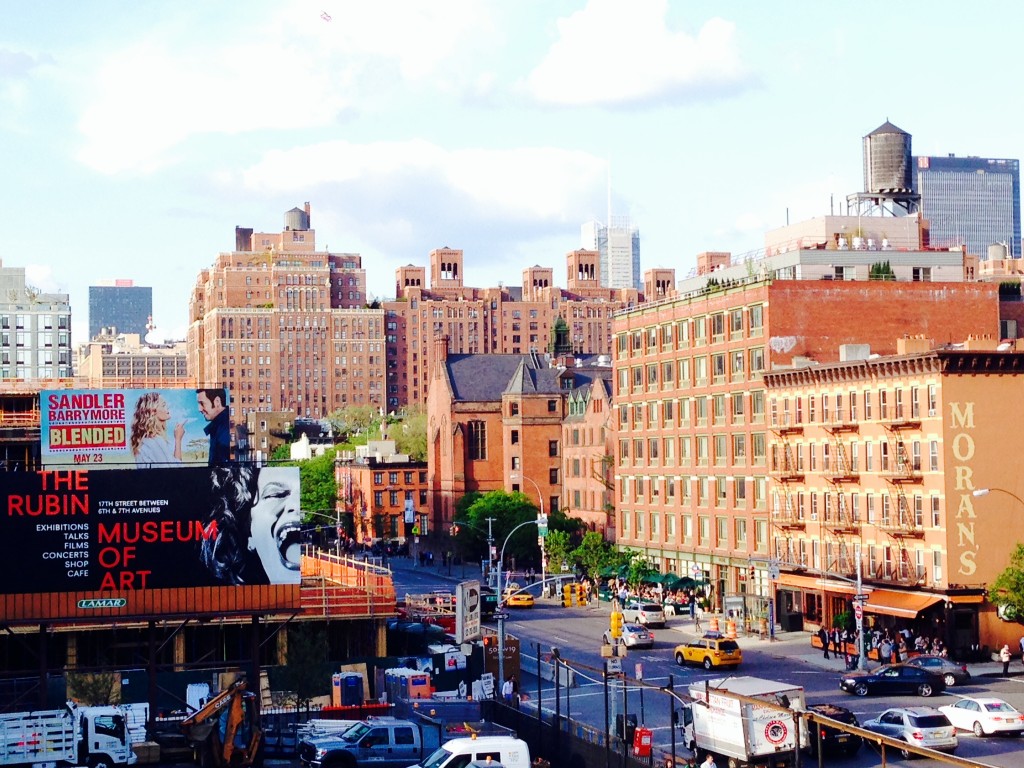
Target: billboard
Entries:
(120, 539)
(144, 428)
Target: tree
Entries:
(410, 434)
(93, 689)
(557, 549)
(307, 674)
(638, 568)
(881, 270)
(354, 418)
(1007, 591)
(319, 485)
(508, 511)
(593, 554)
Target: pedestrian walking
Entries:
(698, 611)
(1021, 644)
(823, 637)
(1004, 656)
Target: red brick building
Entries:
(506, 320)
(691, 470)
(588, 447)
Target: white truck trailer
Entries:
(744, 733)
(93, 736)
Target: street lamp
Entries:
(501, 606)
(543, 554)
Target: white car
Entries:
(646, 613)
(984, 716)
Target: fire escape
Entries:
(899, 520)
(788, 473)
(840, 525)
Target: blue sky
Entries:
(134, 136)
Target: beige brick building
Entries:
(285, 327)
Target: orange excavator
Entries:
(226, 730)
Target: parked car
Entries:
(952, 672)
(633, 636)
(894, 678)
(834, 741)
(920, 726)
(648, 614)
(712, 650)
(985, 716)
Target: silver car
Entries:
(646, 613)
(920, 726)
(633, 636)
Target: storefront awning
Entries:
(815, 583)
(905, 605)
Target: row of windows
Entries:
(881, 509)
(720, 450)
(378, 478)
(719, 409)
(879, 561)
(700, 491)
(897, 403)
(701, 370)
(723, 532)
(846, 458)
(734, 324)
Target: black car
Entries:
(488, 603)
(833, 740)
(892, 679)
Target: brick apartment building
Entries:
(505, 320)
(284, 327)
(379, 490)
(588, 447)
(879, 460)
(691, 459)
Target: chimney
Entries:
(440, 349)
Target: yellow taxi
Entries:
(712, 650)
(516, 599)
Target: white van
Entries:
(459, 753)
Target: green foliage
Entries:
(508, 511)
(881, 270)
(410, 434)
(281, 453)
(319, 486)
(593, 554)
(355, 418)
(843, 620)
(638, 567)
(94, 689)
(1008, 587)
(556, 546)
(307, 673)
(1009, 289)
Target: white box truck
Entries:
(744, 733)
(94, 736)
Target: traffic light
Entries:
(616, 624)
(566, 595)
(581, 595)
(752, 571)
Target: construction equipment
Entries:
(226, 731)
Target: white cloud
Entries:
(289, 72)
(540, 184)
(617, 53)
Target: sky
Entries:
(135, 136)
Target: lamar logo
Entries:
(107, 602)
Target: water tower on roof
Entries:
(888, 175)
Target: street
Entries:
(577, 634)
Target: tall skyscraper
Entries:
(972, 201)
(618, 244)
(120, 305)
(35, 329)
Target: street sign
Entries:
(695, 570)
(501, 617)
(858, 611)
(861, 597)
(773, 571)
(614, 665)
(639, 671)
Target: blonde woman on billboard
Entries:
(258, 526)
(151, 444)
